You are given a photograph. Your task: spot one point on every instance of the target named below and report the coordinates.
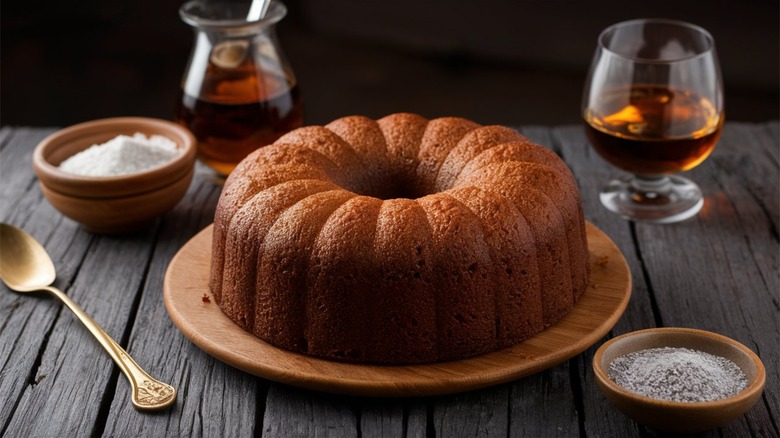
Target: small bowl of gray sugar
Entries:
(679, 379)
(116, 175)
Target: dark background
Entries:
(494, 61)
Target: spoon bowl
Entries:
(25, 266)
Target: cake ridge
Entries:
(283, 289)
(331, 145)
(432, 153)
(469, 146)
(248, 216)
(403, 135)
(236, 193)
(537, 202)
(527, 151)
(366, 138)
(519, 151)
(473, 339)
(565, 286)
(261, 179)
(545, 178)
(341, 246)
(404, 233)
(483, 218)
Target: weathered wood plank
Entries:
(27, 320)
(679, 245)
(544, 405)
(15, 165)
(546, 402)
(718, 271)
(292, 412)
(417, 419)
(771, 130)
(381, 418)
(73, 365)
(5, 134)
(483, 413)
(209, 392)
(747, 155)
(596, 416)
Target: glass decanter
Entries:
(239, 92)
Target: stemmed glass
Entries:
(653, 106)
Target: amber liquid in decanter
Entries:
(239, 111)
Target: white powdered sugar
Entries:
(678, 374)
(122, 155)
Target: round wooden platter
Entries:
(201, 320)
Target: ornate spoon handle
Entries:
(147, 393)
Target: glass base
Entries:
(656, 199)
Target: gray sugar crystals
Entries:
(678, 374)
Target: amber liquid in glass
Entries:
(238, 112)
(651, 130)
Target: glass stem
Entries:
(650, 189)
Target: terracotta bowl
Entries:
(114, 204)
(680, 416)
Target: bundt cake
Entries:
(396, 241)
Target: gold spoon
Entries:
(26, 267)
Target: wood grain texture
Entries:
(106, 291)
(382, 418)
(477, 413)
(292, 412)
(26, 322)
(186, 281)
(717, 271)
(526, 418)
(693, 270)
(208, 390)
(17, 175)
(544, 404)
(592, 173)
(704, 267)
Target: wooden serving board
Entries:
(186, 283)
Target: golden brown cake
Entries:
(402, 240)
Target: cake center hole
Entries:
(395, 187)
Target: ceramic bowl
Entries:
(114, 204)
(680, 416)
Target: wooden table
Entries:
(718, 272)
